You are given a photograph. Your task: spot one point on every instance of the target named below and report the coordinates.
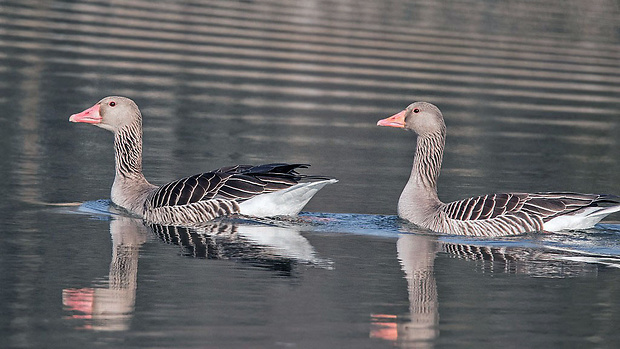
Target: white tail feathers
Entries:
(582, 219)
(286, 202)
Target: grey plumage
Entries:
(546, 206)
(191, 200)
(237, 183)
(209, 195)
(488, 215)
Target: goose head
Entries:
(420, 117)
(111, 113)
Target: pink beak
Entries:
(89, 116)
(396, 120)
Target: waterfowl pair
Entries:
(278, 189)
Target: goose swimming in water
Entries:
(488, 215)
(264, 190)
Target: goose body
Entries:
(264, 190)
(488, 215)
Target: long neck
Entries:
(128, 151)
(130, 189)
(419, 200)
(420, 193)
(427, 160)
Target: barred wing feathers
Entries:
(234, 183)
(544, 206)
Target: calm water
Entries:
(531, 95)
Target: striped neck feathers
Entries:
(428, 157)
(128, 150)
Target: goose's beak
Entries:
(89, 116)
(396, 120)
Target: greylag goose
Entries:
(264, 190)
(488, 215)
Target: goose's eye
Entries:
(416, 110)
(112, 104)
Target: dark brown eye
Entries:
(112, 104)
(416, 110)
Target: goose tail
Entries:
(286, 202)
(583, 219)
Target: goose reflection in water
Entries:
(417, 253)
(110, 306)
(263, 245)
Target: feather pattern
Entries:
(199, 198)
(545, 205)
(487, 215)
(238, 183)
(205, 196)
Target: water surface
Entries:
(531, 95)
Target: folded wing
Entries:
(544, 206)
(235, 183)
